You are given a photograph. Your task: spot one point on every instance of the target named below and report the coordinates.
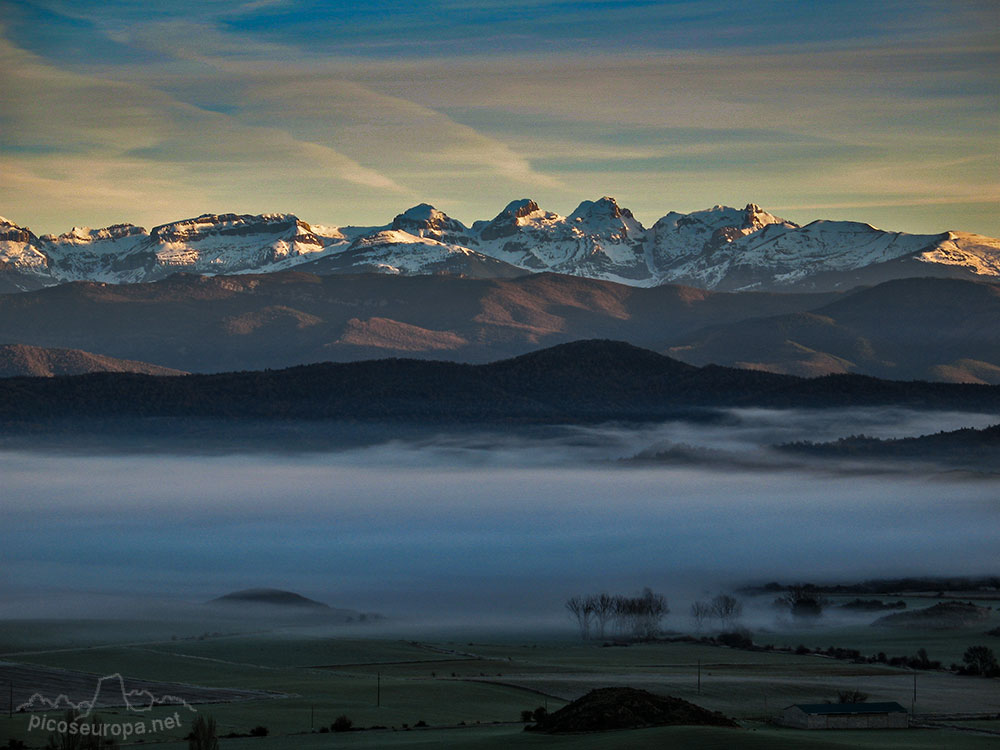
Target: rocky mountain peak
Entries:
(11, 232)
(188, 230)
(84, 235)
(606, 218)
(505, 223)
(520, 208)
(723, 247)
(425, 218)
(605, 208)
(754, 218)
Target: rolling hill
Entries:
(206, 324)
(585, 381)
(22, 360)
(931, 329)
(936, 329)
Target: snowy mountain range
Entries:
(720, 248)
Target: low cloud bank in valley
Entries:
(481, 527)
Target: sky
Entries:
(151, 111)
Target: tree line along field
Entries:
(472, 693)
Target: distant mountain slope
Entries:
(580, 382)
(718, 248)
(400, 253)
(22, 360)
(936, 329)
(265, 604)
(218, 323)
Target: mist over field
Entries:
(483, 526)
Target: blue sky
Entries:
(885, 112)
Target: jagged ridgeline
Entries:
(718, 248)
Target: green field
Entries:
(946, 646)
(471, 693)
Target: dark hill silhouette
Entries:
(606, 709)
(581, 382)
(940, 616)
(273, 597)
(965, 448)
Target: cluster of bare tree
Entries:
(599, 615)
(802, 601)
(727, 609)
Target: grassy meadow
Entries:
(471, 693)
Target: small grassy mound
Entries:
(627, 708)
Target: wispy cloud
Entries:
(349, 113)
(89, 144)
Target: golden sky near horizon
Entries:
(153, 112)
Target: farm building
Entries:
(845, 716)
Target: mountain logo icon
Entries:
(106, 693)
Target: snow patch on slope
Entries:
(718, 248)
(974, 252)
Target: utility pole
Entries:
(699, 677)
(913, 700)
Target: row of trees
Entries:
(727, 609)
(603, 615)
(600, 615)
(800, 600)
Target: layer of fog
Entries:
(737, 432)
(479, 528)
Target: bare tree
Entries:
(802, 601)
(653, 608)
(640, 616)
(727, 608)
(582, 609)
(203, 734)
(637, 616)
(623, 611)
(700, 611)
(603, 606)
